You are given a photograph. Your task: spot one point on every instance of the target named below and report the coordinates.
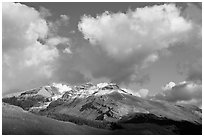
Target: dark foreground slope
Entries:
(16, 121)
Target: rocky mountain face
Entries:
(107, 106)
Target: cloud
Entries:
(169, 86)
(29, 53)
(99, 65)
(25, 22)
(192, 70)
(44, 13)
(63, 44)
(150, 59)
(54, 26)
(183, 92)
(34, 55)
(58, 40)
(129, 42)
(64, 20)
(67, 50)
(24, 57)
(122, 45)
(193, 11)
(143, 93)
(143, 30)
(68, 69)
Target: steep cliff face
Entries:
(105, 105)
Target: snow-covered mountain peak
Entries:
(61, 87)
(101, 85)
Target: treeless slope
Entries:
(16, 121)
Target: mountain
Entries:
(107, 106)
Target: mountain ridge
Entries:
(104, 105)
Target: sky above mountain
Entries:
(142, 46)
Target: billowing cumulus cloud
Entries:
(183, 92)
(131, 41)
(29, 54)
(24, 58)
(144, 30)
